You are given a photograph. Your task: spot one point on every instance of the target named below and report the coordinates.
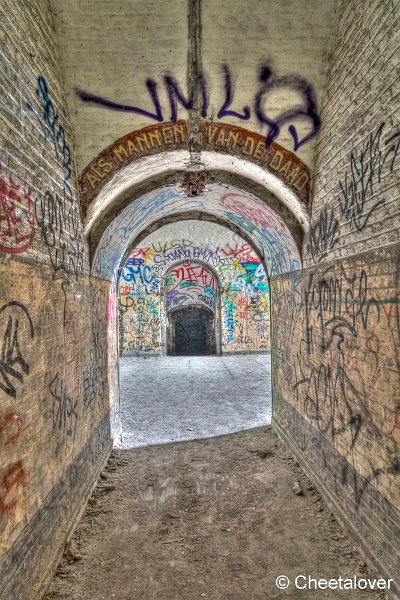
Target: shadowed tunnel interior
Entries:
(190, 331)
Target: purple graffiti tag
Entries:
(175, 94)
(269, 81)
(152, 88)
(223, 112)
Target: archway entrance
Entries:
(191, 332)
(194, 299)
(262, 221)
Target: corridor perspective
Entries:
(199, 299)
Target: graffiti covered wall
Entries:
(190, 283)
(266, 231)
(337, 382)
(241, 291)
(336, 334)
(54, 427)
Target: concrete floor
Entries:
(186, 398)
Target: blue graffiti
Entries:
(135, 261)
(210, 292)
(146, 209)
(133, 273)
(229, 319)
(253, 279)
(51, 124)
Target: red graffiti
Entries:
(71, 341)
(10, 429)
(14, 477)
(145, 253)
(14, 423)
(126, 289)
(242, 302)
(252, 209)
(190, 273)
(244, 252)
(17, 222)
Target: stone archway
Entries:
(262, 195)
(160, 155)
(190, 295)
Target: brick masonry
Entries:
(215, 137)
(26, 568)
(336, 385)
(355, 204)
(335, 325)
(54, 403)
(331, 473)
(54, 394)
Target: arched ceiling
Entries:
(241, 211)
(138, 177)
(230, 257)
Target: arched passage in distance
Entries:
(190, 296)
(241, 304)
(263, 219)
(179, 397)
(191, 331)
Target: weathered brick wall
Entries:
(54, 426)
(357, 180)
(335, 343)
(336, 385)
(336, 324)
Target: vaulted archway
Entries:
(234, 207)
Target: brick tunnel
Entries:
(199, 300)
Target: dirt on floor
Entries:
(215, 518)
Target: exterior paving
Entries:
(184, 398)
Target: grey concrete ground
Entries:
(185, 398)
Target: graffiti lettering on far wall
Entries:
(242, 284)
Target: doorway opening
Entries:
(191, 294)
(191, 332)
